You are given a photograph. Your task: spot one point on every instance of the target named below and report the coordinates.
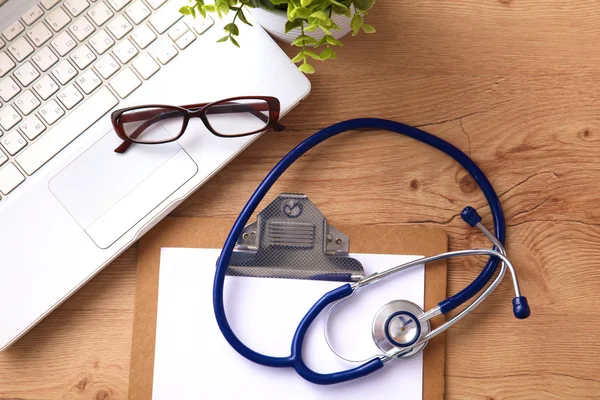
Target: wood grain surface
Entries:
(514, 83)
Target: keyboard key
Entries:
(101, 41)
(2, 43)
(145, 65)
(13, 30)
(201, 25)
(106, 66)
(32, 15)
(39, 34)
(53, 141)
(125, 51)
(8, 88)
(27, 102)
(82, 28)
(45, 58)
(143, 36)
(125, 82)
(63, 43)
(9, 117)
(48, 4)
(3, 158)
(64, 72)
(166, 17)
(6, 64)
(51, 112)
(76, 7)
(119, 26)
(100, 13)
(156, 3)
(185, 40)
(83, 56)
(13, 142)
(137, 11)
(164, 51)
(26, 73)
(118, 4)
(178, 30)
(70, 96)
(88, 81)
(45, 87)
(20, 49)
(32, 127)
(58, 19)
(10, 178)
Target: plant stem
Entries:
(303, 42)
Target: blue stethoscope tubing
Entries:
(294, 360)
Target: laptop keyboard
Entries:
(65, 59)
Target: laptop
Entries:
(69, 204)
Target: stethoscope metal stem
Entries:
(500, 248)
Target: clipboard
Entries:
(211, 233)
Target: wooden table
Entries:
(514, 83)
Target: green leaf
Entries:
(311, 28)
(299, 57)
(363, 5)
(202, 12)
(325, 30)
(234, 41)
(307, 68)
(289, 25)
(321, 41)
(356, 22)
(368, 28)
(320, 15)
(193, 10)
(313, 55)
(223, 39)
(338, 5)
(305, 3)
(232, 28)
(303, 40)
(302, 12)
(186, 10)
(242, 18)
(209, 7)
(326, 54)
(224, 7)
(333, 41)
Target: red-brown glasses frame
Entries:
(200, 111)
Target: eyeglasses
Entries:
(233, 117)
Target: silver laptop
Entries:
(68, 203)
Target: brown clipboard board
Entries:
(211, 233)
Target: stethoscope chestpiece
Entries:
(396, 326)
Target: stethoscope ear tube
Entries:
(295, 359)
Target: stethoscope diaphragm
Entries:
(396, 325)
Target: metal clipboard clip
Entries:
(292, 239)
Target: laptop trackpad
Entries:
(107, 193)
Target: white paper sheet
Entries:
(193, 360)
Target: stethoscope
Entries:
(400, 328)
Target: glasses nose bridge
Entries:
(195, 112)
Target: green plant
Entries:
(308, 15)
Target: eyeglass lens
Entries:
(238, 117)
(152, 124)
